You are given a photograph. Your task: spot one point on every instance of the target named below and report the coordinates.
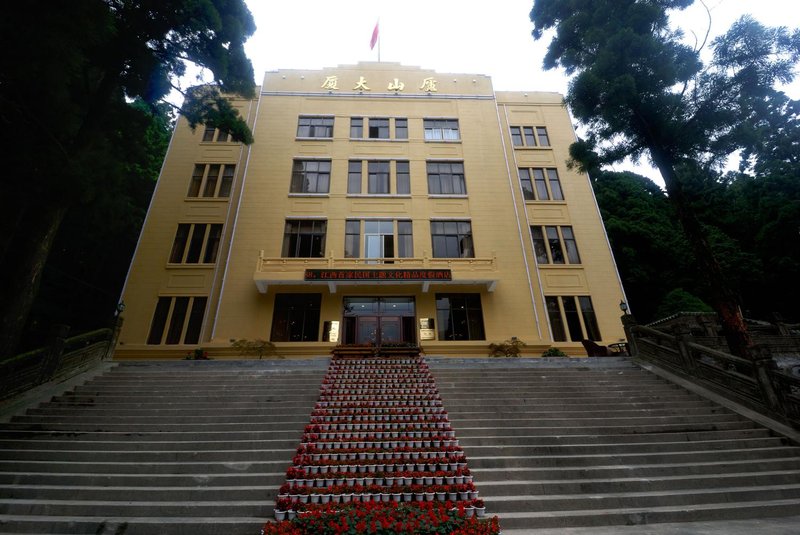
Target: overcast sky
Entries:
(492, 38)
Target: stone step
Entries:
(169, 435)
(634, 484)
(551, 428)
(580, 422)
(180, 406)
(650, 515)
(621, 500)
(132, 444)
(530, 450)
(257, 508)
(260, 411)
(145, 457)
(632, 459)
(577, 439)
(277, 428)
(612, 471)
(155, 420)
(261, 493)
(539, 411)
(146, 480)
(164, 467)
(145, 525)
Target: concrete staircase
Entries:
(202, 447)
(155, 448)
(565, 443)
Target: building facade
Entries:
(379, 204)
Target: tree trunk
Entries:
(723, 298)
(22, 267)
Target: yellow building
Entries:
(379, 204)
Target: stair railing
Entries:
(757, 383)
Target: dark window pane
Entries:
(176, 322)
(352, 238)
(570, 245)
(539, 248)
(541, 132)
(195, 320)
(179, 245)
(556, 322)
(556, 252)
(555, 185)
(208, 133)
(378, 128)
(403, 178)
(401, 128)
(405, 244)
(589, 318)
(211, 181)
(516, 136)
(196, 244)
(541, 187)
(527, 186)
(573, 322)
(356, 127)
(296, 318)
(212, 244)
(159, 320)
(197, 179)
(378, 177)
(354, 177)
(452, 239)
(527, 131)
(459, 317)
(227, 181)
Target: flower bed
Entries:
(385, 519)
(379, 456)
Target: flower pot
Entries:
(291, 514)
(480, 511)
(280, 515)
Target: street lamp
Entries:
(623, 306)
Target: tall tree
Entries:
(641, 91)
(66, 83)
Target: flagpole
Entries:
(379, 40)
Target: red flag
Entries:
(374, 37)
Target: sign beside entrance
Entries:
(378, 274)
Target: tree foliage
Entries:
(69, 129)
(642, 91)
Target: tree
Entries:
(68, 126)
(641, 91)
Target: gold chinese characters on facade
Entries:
(332, 82)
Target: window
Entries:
(295, 318)
(202, 240)
(538, 187)
(304, 238)
(383, 239)
(452, 239)
(548, 248)
(441, 130)
(574, 315)
(401, 128)
(459, 317)
(379, 177)
(446, 178)
(356, 127)
(315, 127)
(211, 180)
(177, 320)
(354, 176)
(215, 134)
(529, 136)
(311, 176)
(403, 178)
(378, 128)
(541, 134)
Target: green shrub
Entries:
(554, 352)
(508, 348)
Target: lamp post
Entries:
(623, 306)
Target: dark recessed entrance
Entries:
(379, 320)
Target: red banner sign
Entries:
(379, 275)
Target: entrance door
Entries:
(379, 320)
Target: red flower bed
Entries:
(421, 518)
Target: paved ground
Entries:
(765, 526)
